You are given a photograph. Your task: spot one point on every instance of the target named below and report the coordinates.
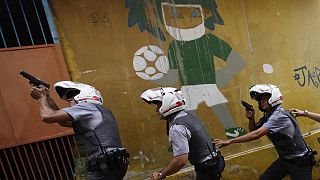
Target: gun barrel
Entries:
(34, 80)
(248, 106)
(27, 75)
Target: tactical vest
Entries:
(198, 148)
(284, 144)
(105, 133)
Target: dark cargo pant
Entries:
(280, 168)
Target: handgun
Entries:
(248, 106)
(33, 80)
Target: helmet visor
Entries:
(70, 93)
(259, 96)
(254, 95)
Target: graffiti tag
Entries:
(305, 76)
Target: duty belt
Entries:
(114, 158)
(300, 161)
(105, 149)
(206, 165)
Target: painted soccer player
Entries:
(191, 54)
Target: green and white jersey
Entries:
(194, 59)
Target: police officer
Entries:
(187, 135)
(95, 127)
(281, 128)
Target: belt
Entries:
(106, 161)
(95, 154)
(208, 164)
(301, 161)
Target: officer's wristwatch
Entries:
(305, 113)
(160, 175)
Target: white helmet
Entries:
(81, 92)
(276, 96)
(171, 98)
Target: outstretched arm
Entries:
(235, 64)
(306, 113)
(253, 135)
(172, 76)
(169, 78)
(235, 61)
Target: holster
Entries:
(306, 160)
(207, 165)
(109, 161)
(311, 156)
(214, 165)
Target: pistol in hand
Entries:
(246, 105)
(33, 80)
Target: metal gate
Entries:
(50, 159)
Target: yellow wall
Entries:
(99, 47)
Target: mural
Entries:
(190, 55)
(101, 39)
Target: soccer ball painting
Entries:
(150, 62)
